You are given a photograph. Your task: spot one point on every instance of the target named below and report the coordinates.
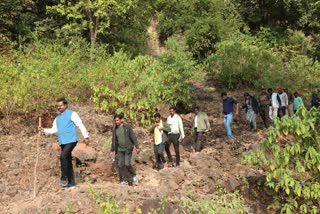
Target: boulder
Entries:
(84, 152)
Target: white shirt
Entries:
(274, 100)
(284, 99)
(196, 121)
(77, 121)
(176, 125)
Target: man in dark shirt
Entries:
(229, 106)
(123, 142)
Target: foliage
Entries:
(220, 202)
(203, 23)
(290, 157)
(107, 203)
(136, 86)
(92, 16)
(302, 74)
(245, 61)
(16, 22)
(295, 14)
(33, 76)
(162, 208)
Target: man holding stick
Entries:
(66, 124)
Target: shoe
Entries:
(135, 180)
(69, 186)
(124, 183)
(64, 183)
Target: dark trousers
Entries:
(197, 140)
(264, 113)
(282, 111)
(158, 152)
(173, 138)
(124, 163)
(66, 162)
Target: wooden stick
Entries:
(36, 164)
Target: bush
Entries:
(290, 157)
(107, 203)
(220, 202)
(34, 76)
(136, 86)
(244, 61)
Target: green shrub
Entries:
(136, 86)
(290, 157)
(243, 61)
(107, 203)
(221, 202)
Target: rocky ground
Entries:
(217, 165)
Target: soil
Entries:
(202, 173)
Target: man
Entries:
(315, 101)
(264, 101)
(160, 135)
(275, 104)
(290, 102)
(283, 102)
(65, 124)
(229, 105)
(175, 135)
(200, 125)
(123, 142)
(251, 107)
(297, 102)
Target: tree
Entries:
(203, 23)
(16, 21)
(93, 16)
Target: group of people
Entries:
(166, 132)
(124, 140)
(270, 104)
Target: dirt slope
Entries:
(201, 173)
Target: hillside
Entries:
(200, 174)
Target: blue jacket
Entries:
(67, 130)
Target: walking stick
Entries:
(36, 164)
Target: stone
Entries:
(84, 152)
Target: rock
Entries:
(172, 185)
(12, 191)
(84, 152)
(102, 168)
(178, 176)
(55, 147)
(187, 117)
(232, 183)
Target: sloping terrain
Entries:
(202, 173)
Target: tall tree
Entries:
(89, 16)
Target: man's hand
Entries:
(86, 141)
(40, 129)
(137, 150)
(112, 154)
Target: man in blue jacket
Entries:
(66, 124)
(229, 105)
(123, 142)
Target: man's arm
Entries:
(113, 141)
(180, 125)
(206, 120)
(78, 122)
(133, 137)
(52, 130)
(236, 106)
